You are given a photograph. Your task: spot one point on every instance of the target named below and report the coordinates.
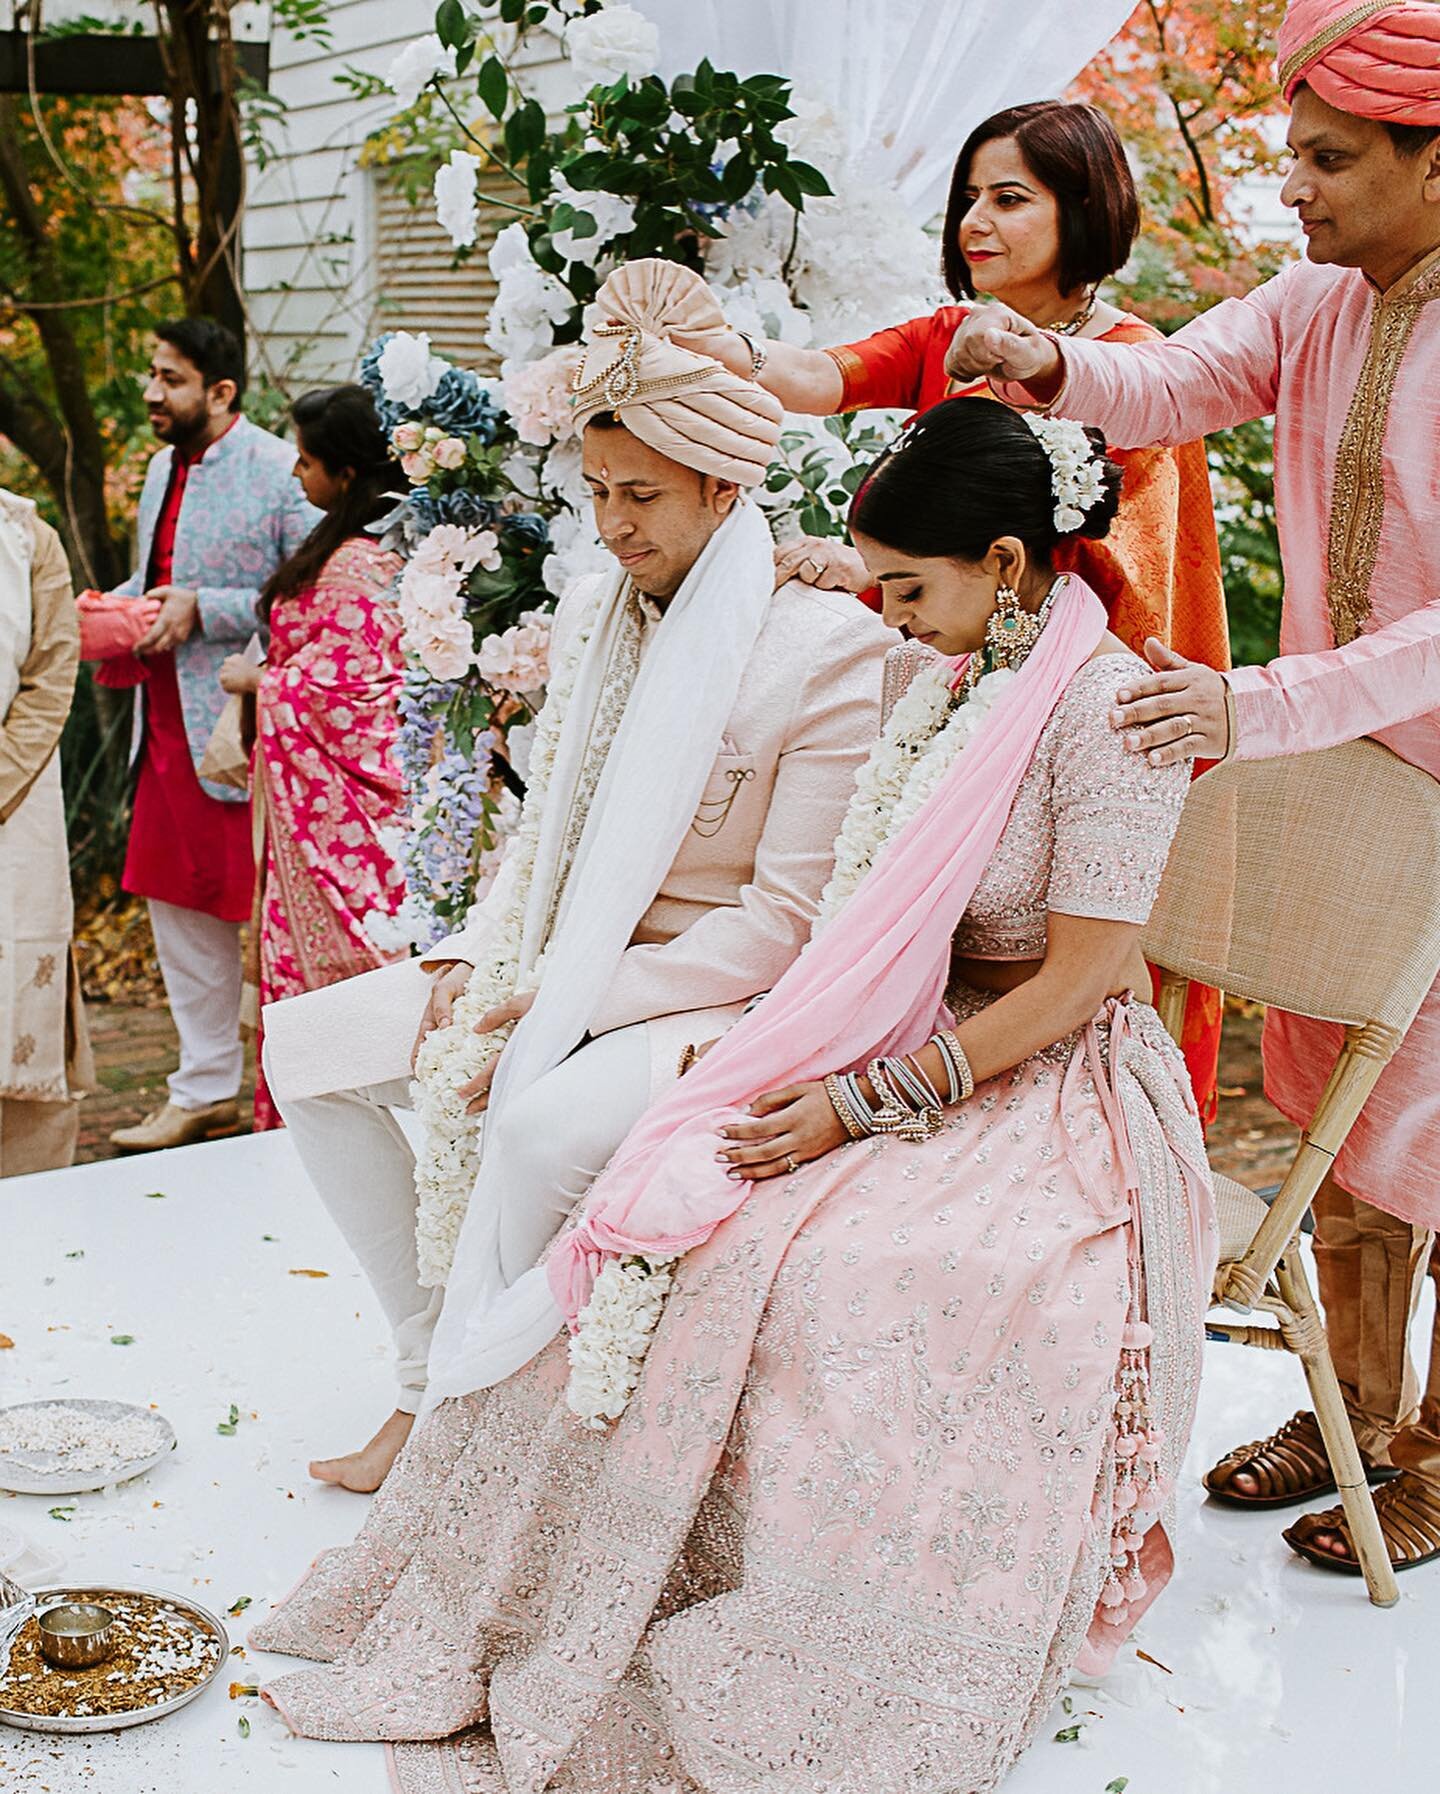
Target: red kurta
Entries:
(186, 847)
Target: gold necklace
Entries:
(1082, 317)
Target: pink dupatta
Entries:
(871, 984)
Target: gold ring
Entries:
(790, 1161)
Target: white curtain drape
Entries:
(908, 79)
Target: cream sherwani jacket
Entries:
(738, 901)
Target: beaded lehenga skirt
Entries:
(892, 1468)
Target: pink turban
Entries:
(1375, 60)
(687, 406)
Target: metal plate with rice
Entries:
(198, 1621)
(37, 1471)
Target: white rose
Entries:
(455, 204)
(408, 371)
(613, 42)
(416, 66)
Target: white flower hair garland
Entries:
(1077, 475)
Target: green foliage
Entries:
(1242, 467)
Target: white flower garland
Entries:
(447, 1164)
(904, 769)
(1077, 477)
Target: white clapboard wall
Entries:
(333, 252)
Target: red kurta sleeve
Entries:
(902, 368)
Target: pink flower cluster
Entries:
(423, 449)
(537, 396)
(518, 660)
(432, 597)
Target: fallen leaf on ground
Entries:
(1118, 1786)
(309, 1273)
(122, 1339)
(63, 1513)
(238, 1607)
(227, 1427)
(154, 1195)
(1145, 1657)
(1067, 1734)
(243, 1726)
(7, 1344)
(78, 1254)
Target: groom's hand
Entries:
(449, 981)
(995, 342)
(477, 1091)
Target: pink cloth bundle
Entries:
(110, 626)
(872, 983)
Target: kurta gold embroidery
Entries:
(1357, 505)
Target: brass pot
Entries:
(77, 1634)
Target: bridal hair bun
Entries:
(969, 471)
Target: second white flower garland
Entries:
(449, 1160)
(917, 748)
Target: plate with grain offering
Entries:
(98, 1659)
(67, 1447)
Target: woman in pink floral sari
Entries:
(324, 780)
(899, 1449)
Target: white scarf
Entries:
(631, 830)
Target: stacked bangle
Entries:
(906, 1103)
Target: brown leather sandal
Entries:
(1291, 1466)
(1409, 1514)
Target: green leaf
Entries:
(63, 1513)
(78, 1253)
(242, 1725)
(809, 179)
(236, 1608)
(228, 1426)
(269, 1236)
(122, 1339)
(463, 58)
(154, 1195)
(450, 23)
(1068, 1734)
(582, 224)
(1118, 1786)
(493, 85)
(524, 130)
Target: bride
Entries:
(936, 1231)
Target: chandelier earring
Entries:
(1010, 632)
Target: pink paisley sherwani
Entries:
(1352, 376)
(859, 1517)
(325, 778)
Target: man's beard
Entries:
(181, 430)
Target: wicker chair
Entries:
(1309, 883)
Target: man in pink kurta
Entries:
(1344, 351)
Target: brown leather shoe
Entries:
(174, 1126)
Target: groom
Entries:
(712, 736)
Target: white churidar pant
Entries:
(553, 1141)
(200, 963)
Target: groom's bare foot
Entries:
(365, 1470)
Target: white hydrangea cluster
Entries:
(1077, 474)
(529, 303)
(612, 1336)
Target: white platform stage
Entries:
(1274, 1674)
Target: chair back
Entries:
(1311, 883)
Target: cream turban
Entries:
(687, 406)
(1379, 60)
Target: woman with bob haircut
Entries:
(842, 1506)
(1042, 209)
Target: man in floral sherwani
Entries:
(220, 510)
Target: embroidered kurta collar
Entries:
(1420, 283)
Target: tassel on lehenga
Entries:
(1137, 1498)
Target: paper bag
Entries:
(226, 760)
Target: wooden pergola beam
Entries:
(102, 63)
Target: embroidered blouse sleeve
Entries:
(1114, 814)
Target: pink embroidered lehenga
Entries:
(325, 782)
(858, 1520)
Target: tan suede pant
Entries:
(36, 1136)
(1372, 1269)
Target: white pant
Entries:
(200, 963)
(551, 1144)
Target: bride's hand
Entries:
(790, 1127)
(822, 561)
